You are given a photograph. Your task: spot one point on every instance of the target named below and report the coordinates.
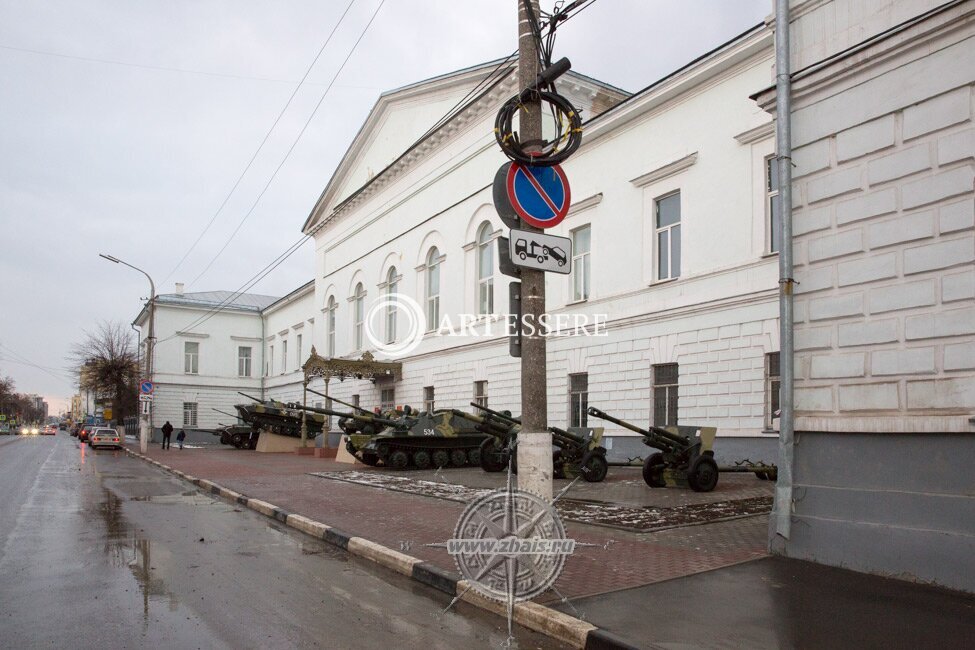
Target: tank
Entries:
(278, 417)
(421, 440)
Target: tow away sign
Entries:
(534, 250)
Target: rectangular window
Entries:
(357, 326)
(480, 393)
(191, 358)
(355, 400)
(243, 361)
(270, 361)
(667, 241)
(773, 213)
(428, 399)
(580, 263)
(772, 385)
(665, 394)
(387, 399)
(298, 360)
(578, 399)
(284, 357)
(189, 414)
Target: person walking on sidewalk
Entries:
(180, 437)
(167, 431)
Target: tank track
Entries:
(416, 452)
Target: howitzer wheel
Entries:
(440, 458)
(237, 440)
(421, 459)
(594, 467)
(703, 474)
(491, 457)
(398, 460)
(474, 457)
(653, 471)
(458, 457)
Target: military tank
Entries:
(421, 440)
(284, 419)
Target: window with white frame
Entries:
(485, 270)
(387, 399)
(665, 376)
(772, 385)
(392, 287)
(284, 357)
(580, 263)
(191, 358)
(330, 308)
(298, 351)
(244, 361)
(189, 414)
(578, 399)
(772, 212)
(428, 399)
(433, 289)
(667, 236)
(270, 361)
(358, 315)
(480, 393)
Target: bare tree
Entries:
(108, 365)
(16, 405)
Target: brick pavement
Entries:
(406, 522)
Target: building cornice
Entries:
(665, 171)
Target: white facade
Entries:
(695, 132)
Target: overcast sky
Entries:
(124, 124)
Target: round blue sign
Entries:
(146, 387)
(539, 195)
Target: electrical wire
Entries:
(263, 142)
(287, 155)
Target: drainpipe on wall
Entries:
(263, 345)
(782, 514)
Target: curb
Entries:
(538, 618)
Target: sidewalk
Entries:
(706, 585)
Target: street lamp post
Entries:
(145, 419)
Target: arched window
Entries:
(392, 282)
(358, 315)
(485, 270)
(433, 288)
(330, 327)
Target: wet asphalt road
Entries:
(98, 549)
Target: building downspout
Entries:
(782, 511)
(263, 346)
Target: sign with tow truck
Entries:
(542, 252)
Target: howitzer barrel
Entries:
(660, 437)
(488, 425)
(231, 415)
(566, 435)
(335, 399)
(497, 414)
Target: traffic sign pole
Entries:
(534, 440)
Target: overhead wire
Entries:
(287, 155)
(264, 140)
(493, 78)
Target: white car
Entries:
(104, 437)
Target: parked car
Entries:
(84, 431)
(104, 437)
(75, 429)
(50, 430)
(63, 426)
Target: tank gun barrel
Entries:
(497, 414)
(335, 399)
(250, 397)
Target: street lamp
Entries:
(145, 421)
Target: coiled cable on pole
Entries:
(542, 153)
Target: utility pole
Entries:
(534, 440)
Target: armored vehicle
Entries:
(412, 440)
(279, 417)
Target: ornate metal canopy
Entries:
(365, 367)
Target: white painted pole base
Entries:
(143, 435)
(535, 463)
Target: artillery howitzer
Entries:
(685, 457)
(420, 440)
(238, 435)
(579, 449)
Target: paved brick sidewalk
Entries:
(407, 522)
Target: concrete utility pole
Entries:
(145, 421)
(534, 440)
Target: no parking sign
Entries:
(539, 195)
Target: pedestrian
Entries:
(167, 430)
(180, 437)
